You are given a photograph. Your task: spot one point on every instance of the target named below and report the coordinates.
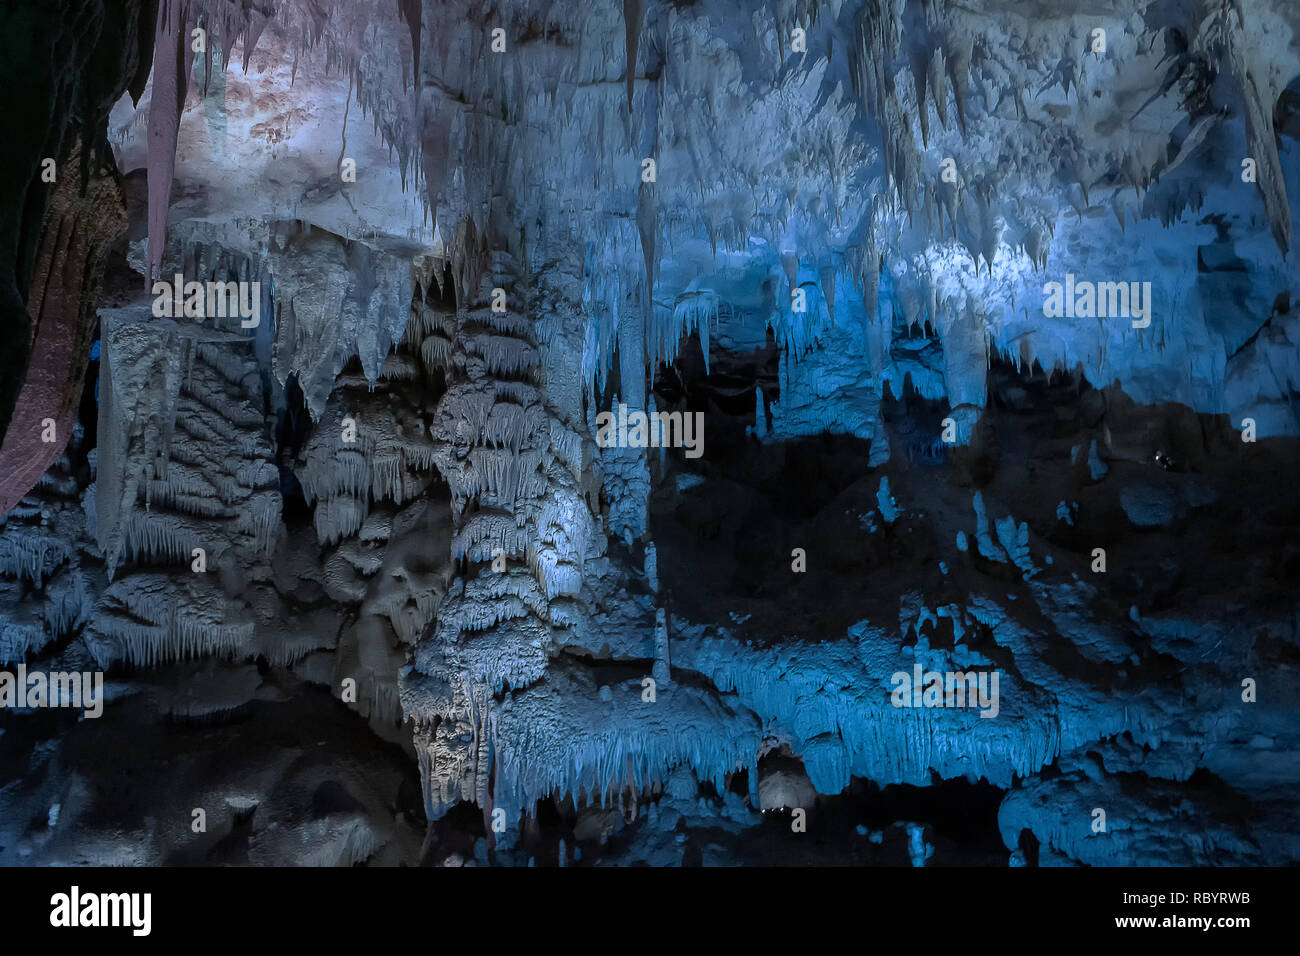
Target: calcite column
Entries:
(522, 524)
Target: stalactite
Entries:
(168, 97)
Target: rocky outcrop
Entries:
(79, 228)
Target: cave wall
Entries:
(827, 232)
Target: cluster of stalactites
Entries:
(909, 59)
(350, 35)
(147, 619)
(45, 594)
(227, 23)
